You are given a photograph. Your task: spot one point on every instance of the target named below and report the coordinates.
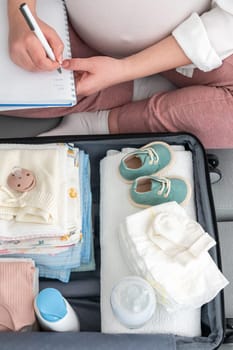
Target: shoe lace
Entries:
(165, 186)
(153, 155)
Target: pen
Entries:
(37, 31)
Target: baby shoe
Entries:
(147, 160)
(152, 190)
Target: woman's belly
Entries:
(123, 27)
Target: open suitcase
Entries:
(83, 290)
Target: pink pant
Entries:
(203, 104)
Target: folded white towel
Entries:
(178, 286)
(114, 208)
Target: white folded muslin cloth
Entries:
(179, 236)
(114, 208)
(39, 204)
(177, 286)
(65, 188)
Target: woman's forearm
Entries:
(13, 9)
(164, 55)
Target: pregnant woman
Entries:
(189, 42)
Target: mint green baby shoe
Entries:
(147, 160)
(152, 190)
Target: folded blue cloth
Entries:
(89, 266)
(86, 206)
(64, 274)
(61, 275)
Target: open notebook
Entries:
(23, 89)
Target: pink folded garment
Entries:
(16, 294)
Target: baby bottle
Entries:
(54, 313)
(133, 301)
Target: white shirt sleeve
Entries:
(208, 39)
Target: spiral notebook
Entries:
(23, 89)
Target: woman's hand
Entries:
(26, 50)
(95, 73)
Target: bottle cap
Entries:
(133, 301)
(51, 304)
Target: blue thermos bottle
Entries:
(54, 313)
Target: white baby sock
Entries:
(85, 123)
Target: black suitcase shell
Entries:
(83, 291)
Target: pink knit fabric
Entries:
(16, 295)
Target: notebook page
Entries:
(29, 89)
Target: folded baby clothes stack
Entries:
(50, 221)
(172, 258)
(18, 287)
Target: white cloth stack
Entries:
(178, 286)
(39, 204)
(115, 207)
(55, 199)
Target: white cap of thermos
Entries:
(54, 313)
(133, 301)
